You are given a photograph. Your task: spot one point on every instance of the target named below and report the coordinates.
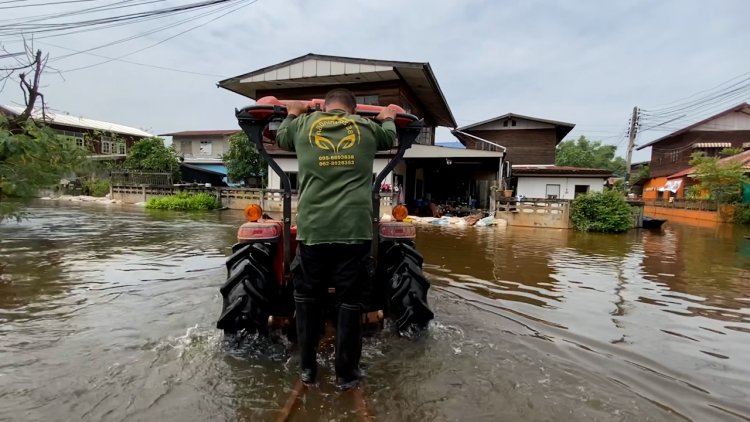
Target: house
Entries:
(429, 172)
(556, 182)
(678, 183)
(202, 149)
(527, 140)
(107, 141)
(670, 154)
(531, 144)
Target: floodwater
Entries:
(107, 313)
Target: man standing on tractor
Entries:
(335, 151)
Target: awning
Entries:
(712, 145)
(671, 185)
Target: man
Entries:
(335, 151)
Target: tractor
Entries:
(258, 293)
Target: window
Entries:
(205, 147)
(512, 122)
(122, 148)
(367, 99)
(79, 141)
(425, 136)
(294, 182)
(580, 190)
(553, 191)
(107, 145)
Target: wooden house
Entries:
(670, 154)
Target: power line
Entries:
(21, 28)
(166, 39)
(149, 32)
(137, 63)
(44, 4)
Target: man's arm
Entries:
(385, 133)
(289, 127)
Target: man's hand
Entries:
(386, 113)
(296, 108)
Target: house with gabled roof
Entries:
(527, 140)
(107, 140)
(670, 154)
(429, 172)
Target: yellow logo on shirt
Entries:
(325, 126)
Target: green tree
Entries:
(243, 161)
(722, 179)
(605, 211)
(151, 155)
(32, 157)
(592, 154)
(643, 173)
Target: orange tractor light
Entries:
(253, 213)
(399, 212)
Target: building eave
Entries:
(561, 128)
(738, 108)
(418, 76)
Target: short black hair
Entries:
(343, 96)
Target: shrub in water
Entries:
(184, 201)
(742, 214)
(97, 188)
(606, 212)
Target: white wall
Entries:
(290, 165)
(536, 187)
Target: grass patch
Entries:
(184, 202)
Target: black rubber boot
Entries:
(348, 346)
(308, 336)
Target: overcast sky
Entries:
(584, 62)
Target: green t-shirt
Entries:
(335, 151)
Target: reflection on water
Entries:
(107, 313)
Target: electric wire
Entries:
(152, 31)
(25, 28)
(166, 39)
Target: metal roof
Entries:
(80, 122)
(561, 128)
(419, 151)
(712, 145)
(743, 157)
(547, 170)
(202, 133)
(744, 107)
(313, 70)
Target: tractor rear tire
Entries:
(250, 291)
(407, 287)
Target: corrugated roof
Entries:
(80, 122)
(534, 170)
(202, 132)
(744, 107)
(743, 157)
(712, 145)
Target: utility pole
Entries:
(631, 144)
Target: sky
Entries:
(587, 62)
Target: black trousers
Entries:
(347, 267)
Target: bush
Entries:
(742, 214)
(606, 212)
(97, 188)
(185, 202)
